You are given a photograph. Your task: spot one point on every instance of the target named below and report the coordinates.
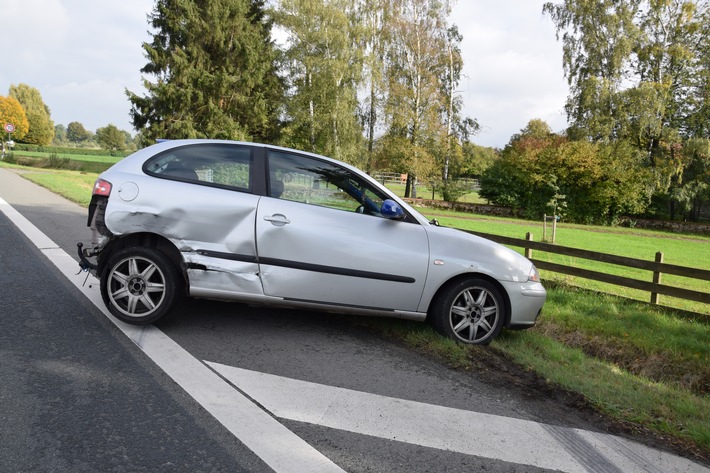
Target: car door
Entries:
(208, 199)
(320, 238)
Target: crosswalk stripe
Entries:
(485, 435)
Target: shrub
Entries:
(452, 191)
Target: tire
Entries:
(470, 311)
(139, 285)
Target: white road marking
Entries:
(473, 433)
(483, 435)
(277, 446)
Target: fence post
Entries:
(554, 229)
(528, 251)
(657, 278)
(544, 227)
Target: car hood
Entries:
(469, 253)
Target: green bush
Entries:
(586, 182)
(56, 162)
(452, 190)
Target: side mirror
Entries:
(392, 210)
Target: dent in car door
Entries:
(208, 211)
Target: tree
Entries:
(416, 65)
(41, 127)
(638, 73)
(544, 173)
(111, 138)
(41, 130)
(324, 65)
(373, 37)
(598, 38)
(129, 141)
(449, 82)
(698, 110)
(11, 112)
(76, 133)
(215, 72)
(475, 160)
(60, 134)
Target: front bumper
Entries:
(526, 301)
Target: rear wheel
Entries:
(470, 311)
(139, 285)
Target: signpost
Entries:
(9, 128)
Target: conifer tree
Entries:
(214, 72)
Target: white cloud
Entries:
(512, 67)
(95, 103)
(31, 32)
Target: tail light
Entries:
(102, 187)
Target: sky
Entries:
(83, 54)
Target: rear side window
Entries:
(220, 165)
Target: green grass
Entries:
(634, 362)
(73, 185)
(639, 364)
(624, 396)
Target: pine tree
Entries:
(214, 69)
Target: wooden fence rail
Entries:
(658, 268)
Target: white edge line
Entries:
(277, 446)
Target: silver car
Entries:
(262, 224)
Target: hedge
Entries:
(65, 150)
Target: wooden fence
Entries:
(658, 268)
(397, 178)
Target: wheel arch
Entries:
(466, 276)
(145, 240)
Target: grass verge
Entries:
(73, 185)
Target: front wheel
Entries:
(139, 285)
(471, 311)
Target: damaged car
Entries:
(261, 224)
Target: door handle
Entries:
(278, 220)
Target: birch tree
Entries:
(416, 66)
(324, 66)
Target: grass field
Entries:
(643, 366)
(73, 157)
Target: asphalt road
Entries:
(76, 394)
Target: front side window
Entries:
(217, 164)
(311, 181)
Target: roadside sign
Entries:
(9, 127)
